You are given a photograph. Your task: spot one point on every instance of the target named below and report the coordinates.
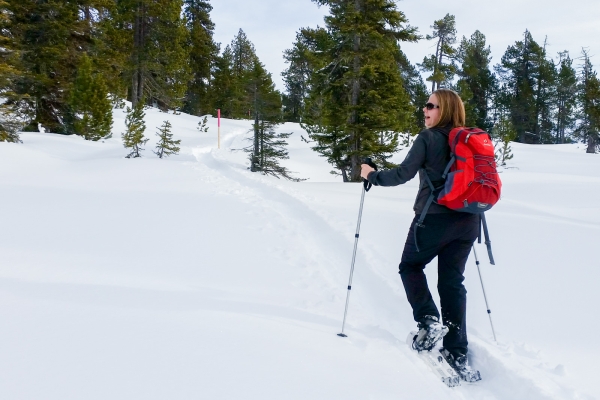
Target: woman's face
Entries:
(432, 117)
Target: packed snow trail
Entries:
(192, 277)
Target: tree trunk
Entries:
(137, 79)
(591, 145)
(254, 163)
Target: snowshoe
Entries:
(460, 364)
(430, 332)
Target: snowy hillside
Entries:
(193, 278)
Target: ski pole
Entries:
(366, 186)
(484, 295)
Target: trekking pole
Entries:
(484, 295)
(366, 186)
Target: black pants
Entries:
(450, 238)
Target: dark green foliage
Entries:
(476, 83)
(442, 73)
(566, 97)
(133, 137)
(357, 104)
(417, 91)
(222, 85)
(529, 79)
(202, 125)
(504, 133)
(155, 41)
(90, 104)
(202, 54)
(297, 76)
(235, 79)
(166, 145)
(268, 149)
(588, 128)
(44, 34)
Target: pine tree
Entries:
(14, 110)
(527, 76)
(166, 145)
(358, 104)
(233, 78)
(90, 103)
(296, 77)
(42, 32)
(566, 97)
(442, 74)
(203, 52)
(545, 98)
(133, 137)
(202, 125)
(158, 65)
(417, 92)
(222, 85)
(244, 64)
(503, 133)
(588, 129)
(476, 83)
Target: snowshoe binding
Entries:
(460, 364)
(430, 332)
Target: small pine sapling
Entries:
(166, 145)
(202, 125)
(133, 137)
(503, 133)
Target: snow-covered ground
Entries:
(193, 278)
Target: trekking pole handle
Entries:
(367, 185)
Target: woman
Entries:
(445, 233)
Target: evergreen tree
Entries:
(244, 61)
(296, 77)
(527, 76)
(566, 97)
(545, 98)
(268, 149)
(157, 39)
(14, 113)
(234, 78)
(43, 35)
(358, 104)
(222, 85)
(266, 107)
(476, 83)
(202, 125)
(417, 92)
(166, 145)
(588, 129)
(133, 137)
(504, 133)
(203, 52)
(442, 74)
(90, 104)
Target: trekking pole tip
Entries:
(342, 335)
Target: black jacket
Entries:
(430, 151)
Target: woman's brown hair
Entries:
(452, 109)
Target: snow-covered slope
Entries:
(193, 278)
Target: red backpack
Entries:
(472, 181)
(473, 184)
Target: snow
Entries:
(191, 277)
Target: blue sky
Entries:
(272, 24)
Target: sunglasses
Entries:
(431, 106)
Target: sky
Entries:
(271, 25)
